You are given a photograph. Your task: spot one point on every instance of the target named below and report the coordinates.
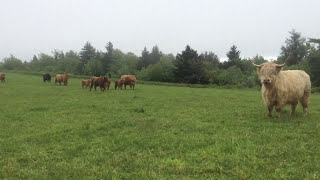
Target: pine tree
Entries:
(189, 67)
(144, 60)
(233, 55)
(295, 49)
(87, 52)
(107, 59)
(233, 58)
(155, 55)
(72, 54)
(314, 65)
(210, 58)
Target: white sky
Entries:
(29, 27)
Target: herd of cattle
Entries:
(279, 87)
(103, 81)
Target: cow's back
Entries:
(292, 85)
(59, 77)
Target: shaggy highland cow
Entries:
(283, 87)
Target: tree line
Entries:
(189, 66)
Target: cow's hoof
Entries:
(269, 115)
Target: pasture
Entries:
(52, 131)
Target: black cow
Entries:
(47, 77)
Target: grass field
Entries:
(51, 131)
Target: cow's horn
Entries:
(281, 65)
(255, 64)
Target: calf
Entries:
(86, 83)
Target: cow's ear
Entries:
(279, 67)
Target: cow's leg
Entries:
(305, 102)
(270, 108)
(293, 108)
(278, 110)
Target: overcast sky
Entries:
(29, 27)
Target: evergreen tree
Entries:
(72, 54)
(233, 58)
(107, 59)
(99, 55)
(294, 50)
(144, 60)
(87, 52)
(210, 58)
(233, 55)
(314, 66)
(155, 55)
(189, 67)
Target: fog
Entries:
(30, 27)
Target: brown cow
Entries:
(118, 84)
(128, 80)
(99, 81)
(107, 84)
(86, 83)
(3, 77)
(283, 87)
(62, 78)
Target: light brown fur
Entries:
(86, 83)
(128, 80)
(62, 78)
(284, 87)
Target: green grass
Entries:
(161, 132)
